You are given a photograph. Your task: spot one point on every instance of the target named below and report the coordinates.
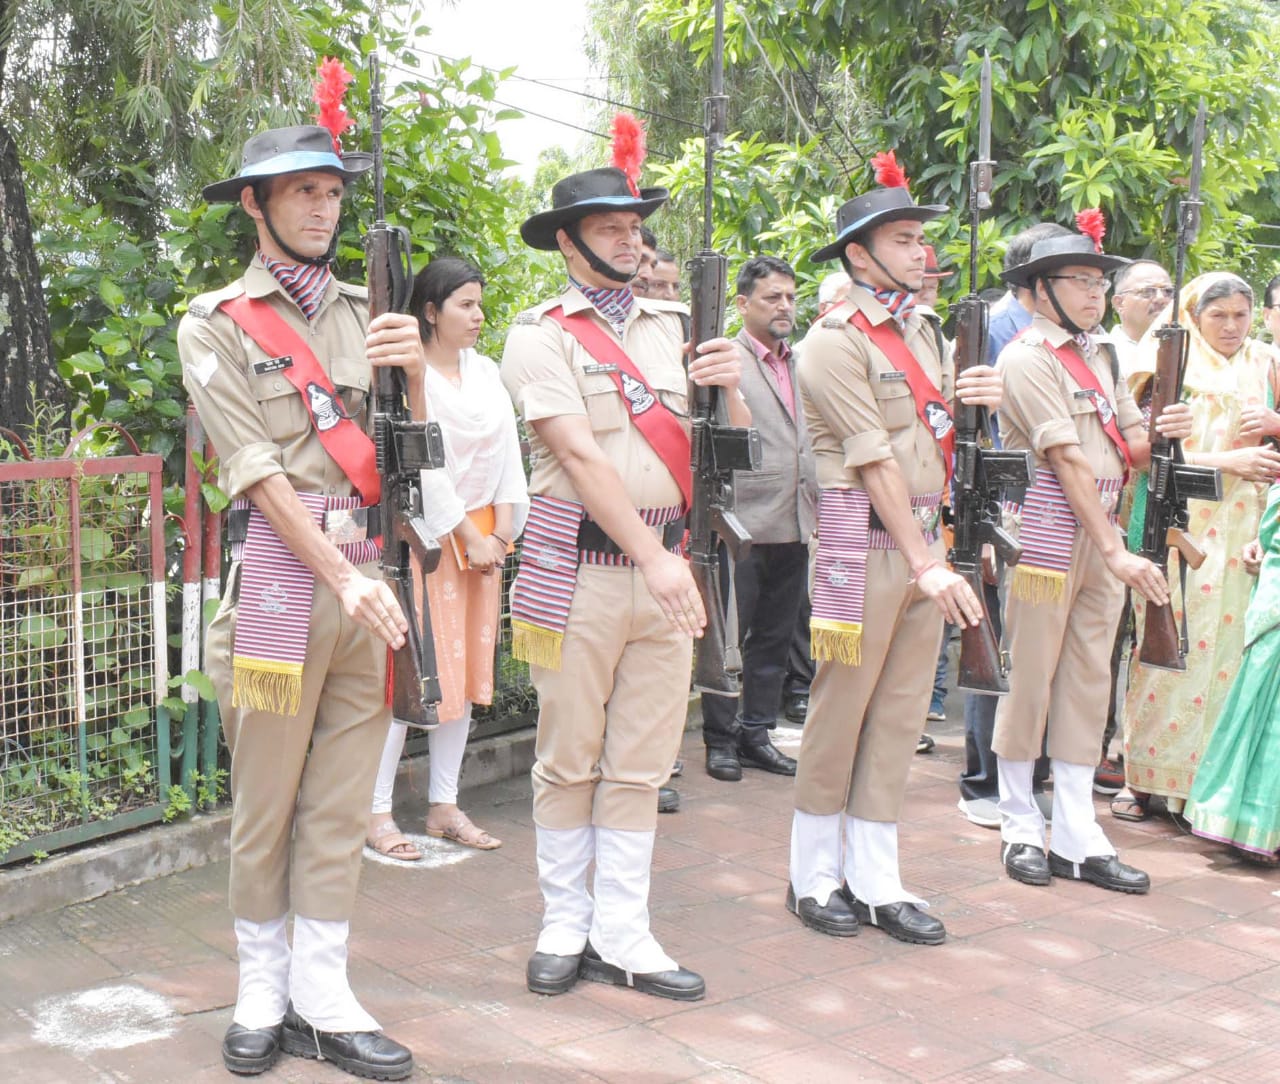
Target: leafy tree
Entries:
(1094, 101)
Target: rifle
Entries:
(1171, 481)
(983, 477)
(718, 450)
(404, 447)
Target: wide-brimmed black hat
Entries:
(580, 194)
(287, 150)
(872, 209)
(1067, 250)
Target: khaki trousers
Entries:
(1060, 665)
(864, 721)
(611, 718)
(301, 785)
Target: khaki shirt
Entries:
(858, 405)
(257, 420)
(1045, 408)
(548, 373)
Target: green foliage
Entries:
(1094, 103)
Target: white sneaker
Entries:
(984, 812)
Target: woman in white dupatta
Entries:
(476, 506)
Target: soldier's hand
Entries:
(1251, 555)
(952, 594)
(1140, 574)
(981, 386)
(1175, 421)
(717, 362)
(394, 339)
(370, 603)
(671, 584)
(1259, 421)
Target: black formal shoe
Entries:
(362, 1053)
(677, 769)
(668, 800)
(723, 763)
(1104, 870)
(250, 1051)
(548, 973)
(679, 985)
(835, 917)
(905, 921)
(765, 756)
(797, 708)
(1025, 862)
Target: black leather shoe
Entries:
(548, 973)
(723, 763)
(1104, 870)
(668, 800)
(250, 1051)
(905, 921)
(368, 1054)
(1025, 862)
(835, 917)
(765, 756)
(797, 708)
(679, 985)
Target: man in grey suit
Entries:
(777, 504)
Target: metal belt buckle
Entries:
(1109, 500)
(343, 526)
(927, 518)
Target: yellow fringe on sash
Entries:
(266, 685)
(1037, 585)
(835, 641)
(535, 645)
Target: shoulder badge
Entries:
(199, 309)
(1032, 336)
(526, 317)
(833, 322)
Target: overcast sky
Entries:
(543, 38)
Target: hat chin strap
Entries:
(1067, 323)
(593, 261)
(287, 249)
(887, 273)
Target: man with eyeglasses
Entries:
(1143, 290)
(1064, 404)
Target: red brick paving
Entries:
(1066, 983)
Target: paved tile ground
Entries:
(1067, 983)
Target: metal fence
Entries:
(84, 744)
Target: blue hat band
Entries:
(293, 162)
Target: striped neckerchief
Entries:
(900, 303)
(306, 283)
(614, 305)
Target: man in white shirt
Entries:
(1142, 291)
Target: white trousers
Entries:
(867, 862)
(1077, 835)
(447, 745)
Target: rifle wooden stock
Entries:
(983, 668)
(1161, 645)
(1192, 555)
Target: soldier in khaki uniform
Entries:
(604, 607)
(874, 381)
(298, 649)
(1063, 403)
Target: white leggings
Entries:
(447, 744)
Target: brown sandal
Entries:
(461, 830)
(1130, 807)
(388, 841)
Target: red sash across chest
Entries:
(1088, 381)
(348, 444)
(662, 429)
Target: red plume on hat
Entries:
(628, 148)
(1093, 225)
(888, 172)
(332, 80)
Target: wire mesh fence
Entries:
(83, 662)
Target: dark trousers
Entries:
(799, 661)
(768, 584)
(980, 779)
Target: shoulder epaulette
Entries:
(833, 322)
(354, 289)
(205, 305)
